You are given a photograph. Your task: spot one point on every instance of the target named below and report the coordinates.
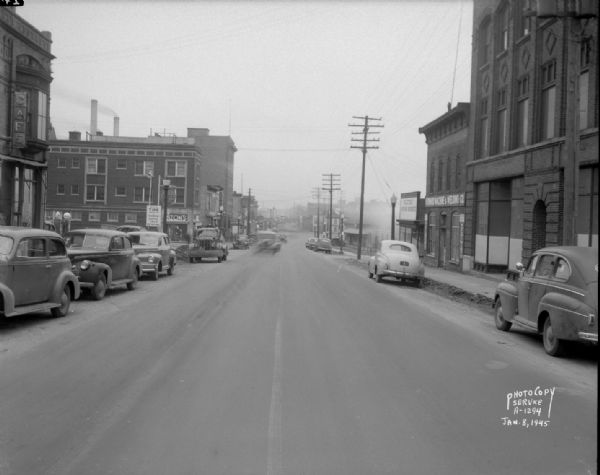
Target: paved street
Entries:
(293, 363)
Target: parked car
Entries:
(207, 248)
(103, 259)
(267, 241)
(154, 251)
(241, 242)
(35, 272)
(323, 245)
(555, 295)
(310, 243)
(397, 259)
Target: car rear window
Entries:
(400, 247)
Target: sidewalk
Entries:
(477, 286)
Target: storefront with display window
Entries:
(444, 229)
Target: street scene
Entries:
(353, 237)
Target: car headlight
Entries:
(85, 265)
(151, 259)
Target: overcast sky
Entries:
(283, 78)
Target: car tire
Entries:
(155, 274)
(65, 303)
(369, 273)
(133, 284)
(171, 268)
(418, 283)
(378, 277)
(501, 323)
(552, 345)
(219, 259)
(99, 288)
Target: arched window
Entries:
(538, 235)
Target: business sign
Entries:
(457, 199)
(153, 215)
(408, 209)
(19, 120)
(173, 218)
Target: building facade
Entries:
(411, 211)
(532, 173)
(444, 217)
(25, 77)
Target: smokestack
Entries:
(94, 119)
(116, 126)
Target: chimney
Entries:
(116, 126)
(94, 118)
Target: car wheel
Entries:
(418, 283)
(552, 345)
(378, 277)
(501, 323)
(65, 303)
(155, 274)
(171, 268)
(133, 284)
(369, 273)
(219, 259)
(99, 288)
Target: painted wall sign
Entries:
(457, 199)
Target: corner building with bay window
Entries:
(531, 183)
(25, 77)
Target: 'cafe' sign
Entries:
(457, 199)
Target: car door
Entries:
(163, 249)
(542, 276)
(127, 257)
(31, 271)
(524, 286)
(57, 259)
(117, 258)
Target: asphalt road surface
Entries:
(294, 363)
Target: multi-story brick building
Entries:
(531, 183)
(444, 216)
(25, 77)
(110, 181)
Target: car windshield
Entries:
(6, 244)
(145, 239)
(87, 241)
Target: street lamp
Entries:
(393, 200)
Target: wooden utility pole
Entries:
(317, 194)
(364, 147)
(333, 180)
(249, 208)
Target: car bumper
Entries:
(148, 268)
(586, 336)
(401, 274)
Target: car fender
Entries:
(568, 315)
(8, 298)
(93, 271)
(66, 277)
(136, 266)
(508, 295)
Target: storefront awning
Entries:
(29, 163)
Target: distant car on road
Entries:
(323, 245)
(35, 272)
(267, 241)
(397, 259)
(129, 228)
(103, 259)
(154, 251)
(241, 242)
(555, 295)
(311, 242)
(207, 248)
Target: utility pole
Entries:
(248, 214)
(317, 194)
(364, 147)
(333, 180)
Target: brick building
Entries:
(25, 77)
(444, 217)
(110, 180)
(529, 182)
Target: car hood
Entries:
(145, 249)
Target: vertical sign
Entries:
(20, 120)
